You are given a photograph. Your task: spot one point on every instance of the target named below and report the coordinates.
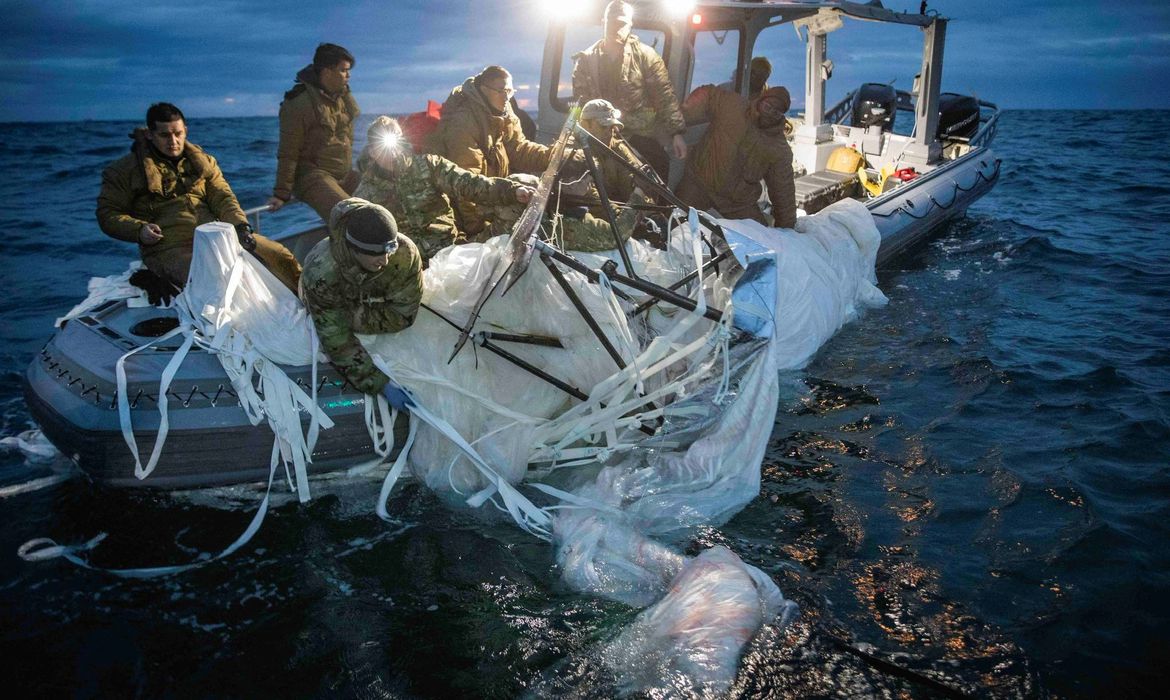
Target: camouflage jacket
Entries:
(474, 137)
(419, 196)
(646, 97)
(316, 132)
(734, 154)
(345, 299)
(619, 182)
(145, 187)
(592, 234)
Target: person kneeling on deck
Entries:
(157, 194)
(744, 143)
(365, 278)
(416, 188)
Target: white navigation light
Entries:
(678, 8)
(565, 10)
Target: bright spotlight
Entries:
(678, 8)
(389, 140)
(565, 10)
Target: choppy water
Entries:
(970, 485)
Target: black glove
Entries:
(246, 237)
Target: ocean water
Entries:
(970, 487)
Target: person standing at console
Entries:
(317, 116)
(632, 77)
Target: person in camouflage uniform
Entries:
(630, 75)
(313, 161)
(417, 189)
(158, 193)
(365, 278)
(603, 121)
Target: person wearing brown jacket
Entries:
(480, 133)
(314, 159)
(631, 76)
(744, 144)
(158, 193)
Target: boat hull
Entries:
(71, 391)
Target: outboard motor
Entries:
(875, 105)
(958, 116)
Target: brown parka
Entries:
(316, 134)
(481, 140)
(177, 195)
(724, 170)
(644, 95)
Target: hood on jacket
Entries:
(148, 157)
(777, 93)
(468, 96)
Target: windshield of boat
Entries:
(716, 58)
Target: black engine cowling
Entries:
(958, 116)
(875, 105)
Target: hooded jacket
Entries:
(344, 299)
(418, 196)
(479, 139)
(316, 132)
(645, 95)
(734, 155)
(146, 187)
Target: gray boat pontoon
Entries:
(71, 389)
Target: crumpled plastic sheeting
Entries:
(824, 275)
(493, 403)
(688, 644)
(103, 289)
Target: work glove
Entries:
(397, 396)
(246, 237)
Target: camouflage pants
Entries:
(321, 190)
(173, 265)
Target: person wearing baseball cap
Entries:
(365, 278)
(601, 119)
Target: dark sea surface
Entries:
(971, 485)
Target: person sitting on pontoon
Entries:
(745, 143)
(365, 278)
(418, 188)
(317, 116)
(158, 193)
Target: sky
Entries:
(109, 59)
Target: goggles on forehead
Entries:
(371, 248)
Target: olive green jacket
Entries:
(146, 187)
(619, 182)
(419, 196)
(734, 155)
(592, 234)
(345, 299)
(476, 138)
(646, 97)
(316, 133)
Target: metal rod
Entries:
(607, 206)
(580, 306)
(544, 340)
(533, 370)
(661, 293)
(641, 308)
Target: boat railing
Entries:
(842, 109)
(255, 212)
(988, 127)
